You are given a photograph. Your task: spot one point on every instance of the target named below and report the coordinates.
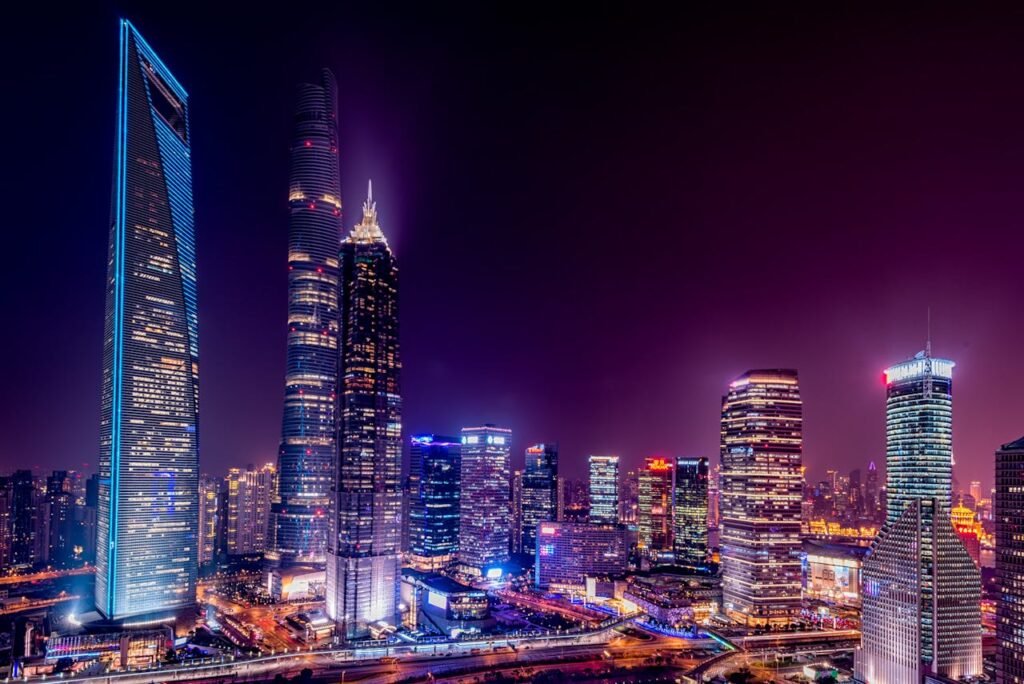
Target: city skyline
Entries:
(843, 337)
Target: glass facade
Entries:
(364, 542)
(921, 589)
(690, 518)
(309, 429)
(148, 519)
(1009, 518)
(569, 552)
(654, 506)
(603, 486)
(435, 463)
(760, 499)
(209, 495)
(249, 492)
(484, 531)
(539, 492)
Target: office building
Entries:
(569, 552)
(364, 544)
(540, 491)
(921, 591)
(435, 464)
(249, 494)
(654, 507)
(516, 524)
(629, 500)
(760, 499)
(308, 448)
(209, 489)
(484, 532)
(146, 564)
(690, 517)
(603, 489)
(1009, 519)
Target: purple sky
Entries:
(600, 220)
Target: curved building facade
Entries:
(308, 431)
(148, 499)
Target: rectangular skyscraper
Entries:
(435, 463)
(364, 539)
(484, 533)
(147, 543)
(1009, 517)
(603, 489)
(690, 515)
(308, 449)
(540, 491)
(921, 590)
(762, 487)
(654, 508)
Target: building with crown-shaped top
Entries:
(364, 536)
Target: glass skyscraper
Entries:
(364, 542)
(308, 448)
(603, 486)
(147, 544)
(760, 499)
(435, 465)
(654, 507)
(1009, 518)
(690, 517)
(540, 491)
(484, 532)
(921, 590)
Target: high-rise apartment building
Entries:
(24, 516)
(654, 507)
(760, 499)
(690, 516)
(61, 532)
(435, 464)
(603, 489)
(922, 592)
(146, 564)
(308, 449)
(364, 542)
(540, 491)
(484, 532)
(249, 494)
(1009, 519)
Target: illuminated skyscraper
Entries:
(147, 540)
(654, 507)
(540, 491)
(434, 496)
(922, 592)
(1009, 519)
(629, 499)
(603, 489)
(690, 517)
(309, 428)
(516, 524)
(209, 490)
(249, 492)
(364, 546)
(760, 500)
(484, 532)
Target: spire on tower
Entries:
(368, 230)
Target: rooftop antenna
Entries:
(928, 341)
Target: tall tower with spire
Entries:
(308, 429)
(364, 541)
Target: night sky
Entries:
(600, 219)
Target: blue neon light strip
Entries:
(152, 58)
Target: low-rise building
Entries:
(674, 599)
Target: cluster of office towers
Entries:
(338, 494)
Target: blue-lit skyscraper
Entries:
(146, 558)
(434, 471)
(540, 491)
(365, 533)
(921, 590)
(308, 430)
